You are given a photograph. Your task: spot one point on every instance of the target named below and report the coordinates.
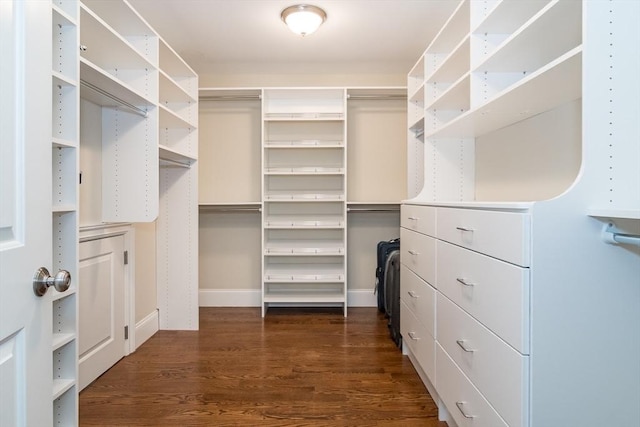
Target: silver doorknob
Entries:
(42, 280)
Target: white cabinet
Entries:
(304, 197)
(523, 277)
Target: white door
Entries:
(26, 378)
(101, 340)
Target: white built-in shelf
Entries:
(304, 143)
(60, 79)
(107, 48)
(61, 386)
(310, 222)
(304, 196)
(456, 96)
(303, 273)
(119, 17)
(303, 116)
(213, 205)
(175, 156)
(178, 70)
(55, 295)
(172, 92)
(415, 81)
(552, 32)
(521, 101)
(454, 30)
(64, 9)
(62, 208)
(477, 204)
(292, 297)
(63, 143)
(104, 89)
(304, 248)
(453, 66)
(418, 127)
(304, 171)
(507, 16)
(60, 339)
(614, 213)
(171, 120)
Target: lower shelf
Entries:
(60, 386)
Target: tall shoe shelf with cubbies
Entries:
(304, 197)
(503, 258)
(65, 134)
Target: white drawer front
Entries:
(496, 369)
(494, 292)
(419, 341)
(419, 297)
(461, 397)
(419, 218)
(418, 252)
(503, 235)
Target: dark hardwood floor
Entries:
(295, 367)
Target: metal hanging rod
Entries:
(231, 208)
(123, 103)
(611, 235)
(173, 163)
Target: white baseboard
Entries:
(251, 298)
(146, 328)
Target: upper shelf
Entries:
(128, 23)
(522, 100)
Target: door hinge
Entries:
(126, 332)
(126, 257)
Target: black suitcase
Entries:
(392, 295)
(384, 248)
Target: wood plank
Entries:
(297, 367)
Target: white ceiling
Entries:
(248, 37)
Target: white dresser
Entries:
(519, 307)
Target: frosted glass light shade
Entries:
(303, 19)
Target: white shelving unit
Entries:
(497, 220)
(177, 225)
(304, 197)
(65, 86)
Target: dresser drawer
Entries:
(493, 291)
(420, 342)
(461, 397)
(419, 297)
(418, 252)
(418, 218)
(496, 369)
(503, 235)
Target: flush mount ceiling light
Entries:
(303, 19)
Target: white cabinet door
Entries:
(26, 379)
(101, 341)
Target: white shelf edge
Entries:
(474, 204)
(454, 86)
(61, 295)
(61, 386)
(172, 155)
(169, 119)
(274, 297)
(187, 96)
(63, 208)
(456, 51)
(614, 213)
(63, 80)
(60, 339)
(57, 9)
(63, 143)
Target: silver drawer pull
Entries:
(464, 414)
(413, 336)
(464, 281)
(413, 218)
(462, 344)
(413, 252)
(413, 294)
(464, 229)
